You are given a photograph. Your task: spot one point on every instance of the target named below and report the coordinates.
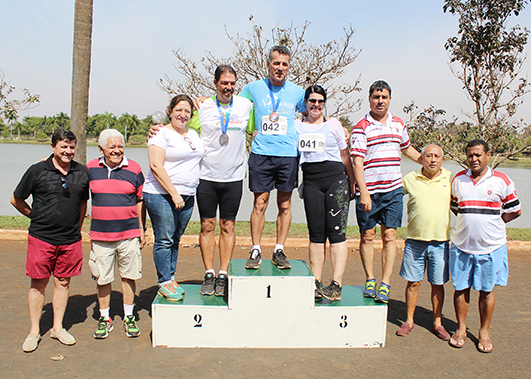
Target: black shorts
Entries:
(225, 194)
(267, 172)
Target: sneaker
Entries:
(31, 342)
(279, 260)
(318, 288)
(178, 288)
(131, 330)
(170, 292)
(370, 288)
(332, 292)
(207, 288)
(104, 328)
(64, 337)
(254, 260)
(221, 285)
(383, 293)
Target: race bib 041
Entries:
(312, 142)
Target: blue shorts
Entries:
(268, 172)
(419, 254)
(479, 271)
(387, 208)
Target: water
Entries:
(16, 158)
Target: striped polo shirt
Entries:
(479, 227)
(115, 193)
(380, 147)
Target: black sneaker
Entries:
(332, 292)
(207, 288)
(221, 285)
(254, 260)
(279, 260)
(318, 288)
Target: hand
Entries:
(353, 192)
(198, 101)
(255, 133)
(366, 202)
(153, 130)
(142, 238)
(347, 135)
(178, 201)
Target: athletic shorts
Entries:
(267, 173)
(226, 195)
(419, 255)
(387, 208)
(105, 254)
(479, 271)
(44, 259)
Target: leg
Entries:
(389, 251)
(227, 241)
(284, 216)
(338, 256)
(412, 295)
(59, 301)
(181, 219)
(437, 300)
(36, 302)
(486, 309)
(104, 295)
(207, 242)
(261, 200)
(317, 252)
(367, 252)
(128, 291)
(461, 303)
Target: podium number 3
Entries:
(343, 323)
(198, 318)
(268, 296)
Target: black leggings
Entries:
(326, 201)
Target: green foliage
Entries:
(137, 139)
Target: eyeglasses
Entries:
(313, 101)
(64, 181)
(189, 143)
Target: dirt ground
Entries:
(420, 355)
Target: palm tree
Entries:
(81, 74)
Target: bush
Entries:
(42, 136)
(137, 139)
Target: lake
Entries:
(16, 158)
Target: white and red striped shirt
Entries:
(479, 227)
(380, 146)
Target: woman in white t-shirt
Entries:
(174, 155)
(328, 178)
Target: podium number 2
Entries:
(198, 318)
(343, 323)
(268, 292)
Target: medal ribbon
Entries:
(277, 103)
(224, 120)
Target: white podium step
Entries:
(269, 308)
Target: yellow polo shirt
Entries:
(428, 206)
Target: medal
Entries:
(273, 116)
(224, 139)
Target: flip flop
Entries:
(457, 341)
(485, 345)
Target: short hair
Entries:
(224, 69)
(379, 85)
(314, 88)
(477, 142)
(432, 144)
(61, 134)
(176, 100)
(109, 133)
(281, 49)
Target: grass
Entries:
(243, 229)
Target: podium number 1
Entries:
(268, 292)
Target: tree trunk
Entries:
(81, 75)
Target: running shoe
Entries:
(332, 292)
(131, 330)
(279, 260)
(318, 288)
(221, 285)
(370, 288)
(170, 292)
(207, 288)
(104, 328)
(383, 293)
(254, 260)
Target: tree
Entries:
(310, 64)
(81, 74)
(9, 107)
(487, 56)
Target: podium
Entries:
(269, 308)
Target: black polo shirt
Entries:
(55, 211)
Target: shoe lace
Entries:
(280, 254)
(255, 253)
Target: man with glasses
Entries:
(59, 187)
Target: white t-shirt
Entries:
(181, 161)
(320, 142)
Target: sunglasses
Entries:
(189, 143)
(313, 101)
(64, 181)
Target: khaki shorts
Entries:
(104, 255)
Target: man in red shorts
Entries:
(60, 190)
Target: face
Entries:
(379, 102)
(315, 105)
(477, 159)
(64, 151)
(225, 87)
(278, 68)
(432, 159)
(113, 151)
(180, 114)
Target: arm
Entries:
(153, 130)
(347, 162)
(412, 154)
(359, 174)
(511, 216)
(156, 156)
(141, 210)
(82, 213)
(198, 101)
(21, 205)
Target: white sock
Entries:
(128, 309)
(211, 271)
(257, 247)
(279, 246)
(222, 272)
(105, 312)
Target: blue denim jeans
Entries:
(168, 227)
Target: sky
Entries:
(401, 42)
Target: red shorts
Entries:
(44, 259)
